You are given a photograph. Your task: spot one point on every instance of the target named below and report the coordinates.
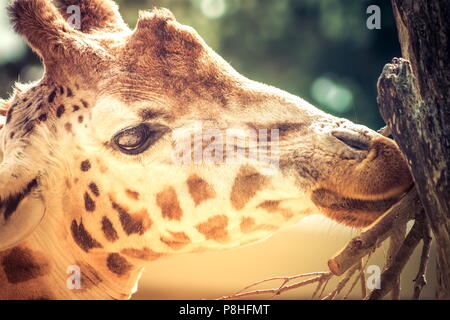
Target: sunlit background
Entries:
(320, 50)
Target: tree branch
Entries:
(318, 277)
(414, 101)
(420, 280)
(396, 240)
(390, 275)
(375, 234)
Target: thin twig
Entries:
(360, 277)
(323, 288)
(389, 276)
(284, 278)
(341, 285)
(319, 276)
(363, 285)
(420, 280)
(372, 237)
(319, 286)
(361, 269)
(397, 238)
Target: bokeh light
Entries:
(12, 47)
(332, 96)
(213, 9)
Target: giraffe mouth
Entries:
(351, 212)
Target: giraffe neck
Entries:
(111, 244)
(47, 265)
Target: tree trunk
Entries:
(413, 97)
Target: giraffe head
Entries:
(90, 147)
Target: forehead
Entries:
(163, 59)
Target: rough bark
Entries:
(413, 97)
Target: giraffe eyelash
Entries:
(137, 139)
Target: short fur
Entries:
(109, 213)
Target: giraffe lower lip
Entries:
(332, 200)
(351, 212)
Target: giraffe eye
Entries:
(135, 140)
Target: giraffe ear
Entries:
(20, 211)
(43, 27)
(22, 223)
(21, 207)
(95, 14)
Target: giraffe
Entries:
(87, 176)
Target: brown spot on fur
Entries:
(199, 189)
(89, 204)
(80, 119)
(176, 240)
(51, 96)
(68, 127)
(132, 223)
(85, 165)
(82, 238)
(167, 200)
(118, 264)
(29, 127)
(75, 108)
(270, 205)
(11, 135)
(60, 111)
(132, 194)
(247, 183)
(9, 114)
(249, 225)
(273, 206)
(69, 92)
(84, 103)
(20, 265)
(214, 228)
(94, 189)
(141, 254)
(108, 230)
(43, 117)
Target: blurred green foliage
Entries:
(320, 50)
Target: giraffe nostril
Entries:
(353, 139)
